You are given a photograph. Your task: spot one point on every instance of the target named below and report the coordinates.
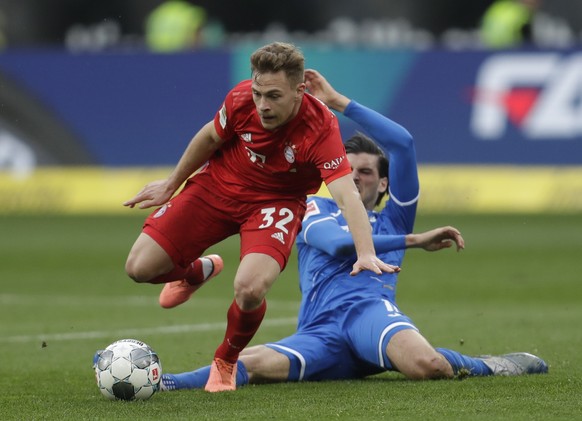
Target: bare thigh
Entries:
(264, 364)
(147, 260)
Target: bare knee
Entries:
(249, 295)
(147, 260)
(135, 271)
(412, 355)
(433, 366)
(254, 278)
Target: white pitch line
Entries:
(201, 327)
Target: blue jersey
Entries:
(324, 243)
(346, 322)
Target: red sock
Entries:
(192, 273)
(240, 328)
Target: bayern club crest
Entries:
(162, 210)
(289, 154)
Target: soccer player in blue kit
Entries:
(349, 327)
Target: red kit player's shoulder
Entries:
(242, 95)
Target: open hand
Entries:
(374, 264)
(438, 239)
(155, 193)
(320, 88)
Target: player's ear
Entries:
(300, 91)
(383, 185)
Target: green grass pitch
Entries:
(64, 294)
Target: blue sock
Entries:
(197, 379)
(458, 361)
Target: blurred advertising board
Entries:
(506, 125)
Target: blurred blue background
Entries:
(83, 83)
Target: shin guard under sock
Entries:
(240, 329)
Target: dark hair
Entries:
(279, 56)
(360, 143)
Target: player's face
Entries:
(366, 177)
(277, 102)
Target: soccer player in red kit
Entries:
(268, 147)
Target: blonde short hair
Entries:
(278, 56)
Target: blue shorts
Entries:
(349, 346)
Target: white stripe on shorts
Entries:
(297, 354)
(383, 335)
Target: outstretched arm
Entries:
(326, 235)
(200, 149)
(436, 239)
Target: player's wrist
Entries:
(410, 240)
(340, 103)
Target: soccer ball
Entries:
(127, 369)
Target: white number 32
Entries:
(285, 215)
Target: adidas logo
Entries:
(278, 236)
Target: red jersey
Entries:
(256, 164)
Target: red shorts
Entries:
(197, 219)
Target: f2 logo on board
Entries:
(540, 93)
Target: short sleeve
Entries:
(222, 119)
(330, 155)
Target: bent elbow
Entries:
(406, 139)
